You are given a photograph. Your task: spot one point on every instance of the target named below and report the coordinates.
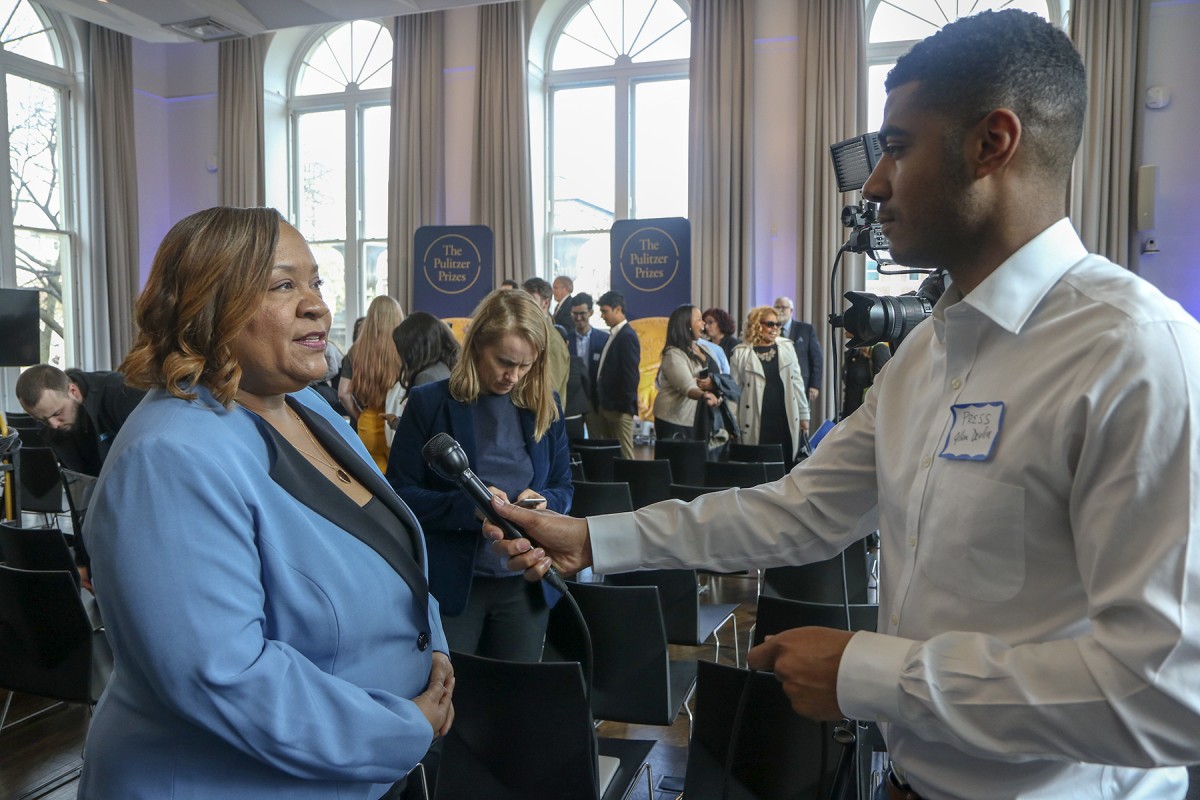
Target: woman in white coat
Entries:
(774, 405)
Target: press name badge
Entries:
(974, 431)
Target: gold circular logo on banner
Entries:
(648, 266)
(468, 280)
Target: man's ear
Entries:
(74, 393)
(994, 141)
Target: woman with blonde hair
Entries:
(498, 404)
(376, 368)
(774, 406)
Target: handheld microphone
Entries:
(445, 456)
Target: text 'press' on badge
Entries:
(974, 431)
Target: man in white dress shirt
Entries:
(1030, 457)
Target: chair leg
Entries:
(649, 772)
(4, 713)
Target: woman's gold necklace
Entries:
(341, 474)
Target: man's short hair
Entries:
(1003, 59)
(582, 299)
(509, 283)
(539, 287)
(565, 281)
(39, 379)
(612, 300)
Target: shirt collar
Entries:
(1014, 289)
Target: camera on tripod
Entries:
(873, 318)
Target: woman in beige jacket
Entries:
(774, 405)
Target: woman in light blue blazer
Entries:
(499, 406)
(263, 589)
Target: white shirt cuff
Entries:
(615, 543)
(868, 682)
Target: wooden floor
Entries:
(46, 752)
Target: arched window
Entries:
(893, 27)
(340, 120)
(617, 128)
(38, 240)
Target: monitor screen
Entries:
(19, 327)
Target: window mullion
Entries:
(623, 141)
(354, 281)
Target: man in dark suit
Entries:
(808, 347)
(618, 374)
(587, 344)
(562, 288)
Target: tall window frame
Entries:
(883, 51)
(40, 236)
(343, 70)
(622, 78)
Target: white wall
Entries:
(1168, 141)
(175, 119)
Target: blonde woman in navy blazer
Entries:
(500, 382)
(263, 588)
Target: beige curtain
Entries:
(1106, 34)
(416, 179)
(833, 94)
(720, 186)
(115, 216)
(503, 192)
(240, 148)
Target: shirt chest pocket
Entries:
(974, 539)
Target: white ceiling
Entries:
(144, 19)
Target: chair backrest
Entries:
(777, 754)
(79, 488)
(577, 442)
(592, 498)
(598, 461)
(821, 582)
(687, 493)
(649, 481)
(45, 636)
(755, 452)
(778, 614)
(734, 473)
(19, 419)
(631, 672)
(29, 436)
(495, 733)
(41, 486)
(687, 459)
(36, 549)
(678, 592)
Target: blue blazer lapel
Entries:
(412, 571)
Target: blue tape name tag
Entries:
(974, 431)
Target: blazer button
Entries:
(423, 642)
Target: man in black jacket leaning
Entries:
(618, 374)
(82, 411)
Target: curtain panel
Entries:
(502, 196)
(417, 174)
(241, 121)
(720, 154)
(114, 187)
(833, 107)
(1106, 34)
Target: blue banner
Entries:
(652, 264)
(453, 268)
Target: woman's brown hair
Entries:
(206, 284)
(373, 356)
(503, 312)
